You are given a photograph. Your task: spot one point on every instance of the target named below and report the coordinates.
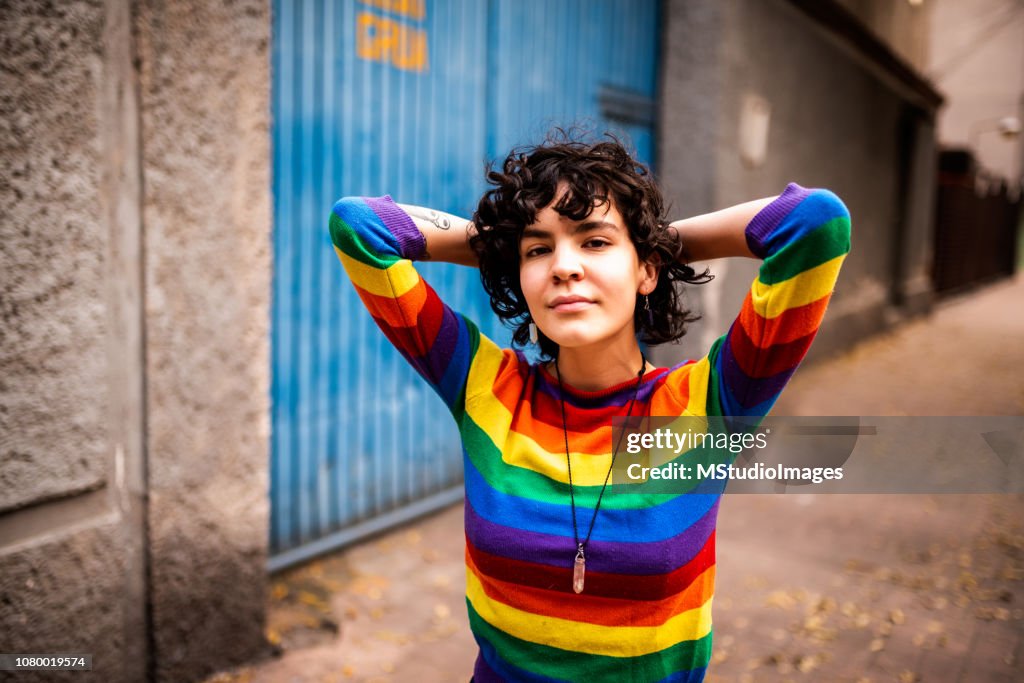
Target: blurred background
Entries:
(215, 467)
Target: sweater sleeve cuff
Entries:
(411, 242)
(760, 229)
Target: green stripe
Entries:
(348, 240)
(714, 403)
(826, 242)
(523, 482)
(578, 666)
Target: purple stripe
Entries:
(445, 344)
(649, 559)
(411, 243)
(483, 673)
(745, 389)
(768, 218)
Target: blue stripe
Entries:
(454, 378)
(630, 525)
(378, 239)
(691, 676)
(817, 209)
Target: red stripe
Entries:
(550, 436)
(786, 327)
(756, 362)
(397, 311)
(420, 307)
(587, 607)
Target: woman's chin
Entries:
(573, 340)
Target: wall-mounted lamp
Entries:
(1008, 127)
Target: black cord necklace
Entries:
(579, 567)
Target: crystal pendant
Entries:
(578, 569)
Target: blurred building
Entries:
(756, 94)
(977, 60)
(192, 395)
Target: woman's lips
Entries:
(571, 306)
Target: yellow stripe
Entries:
(482, 374)
(482, 406)
(519, 450)
(588, 469)
(700, 377)
(392, 282)
(613, 641)
(773, 300)
(485, 410)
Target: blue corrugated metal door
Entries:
(407, 97)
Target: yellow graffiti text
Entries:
(379, 39)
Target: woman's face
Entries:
(581, 278)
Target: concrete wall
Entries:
(135, 252)
(904, 25)
(72, 560)
(690, 98)
(204, 86)
(833, 123)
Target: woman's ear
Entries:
(649, 277)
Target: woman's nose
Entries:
(566, 264)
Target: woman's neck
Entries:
(588, 370)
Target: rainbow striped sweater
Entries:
(646, 612)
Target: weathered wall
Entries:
(72, 535)
(690, 101)
(205, 94)
(53, 327)
(833, 123)
(134, 360)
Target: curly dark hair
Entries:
(593, 173)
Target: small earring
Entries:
(648, 312)
(533, 333)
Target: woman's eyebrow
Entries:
(535, 232)
(586, 226)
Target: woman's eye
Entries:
(596, 242)
(535, 251)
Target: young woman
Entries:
(563, 582)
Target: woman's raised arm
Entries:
(447, 235)
(719, 234)
(378, 243)
(802, 237)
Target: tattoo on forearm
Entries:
(454, 225)
(440, 220)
